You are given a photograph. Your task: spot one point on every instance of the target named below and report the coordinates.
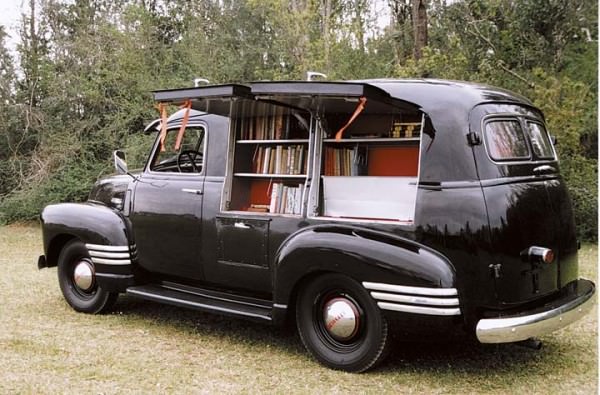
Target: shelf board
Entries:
(260, 175)
(288, 141)
(375, 140)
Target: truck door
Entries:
(527, 204)
(167, 206)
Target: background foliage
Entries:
(78, 85)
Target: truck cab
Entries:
(344, 206)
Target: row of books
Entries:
(346, 161)
(405, 129)
(272, 127)
(286, 199)
(279, 159)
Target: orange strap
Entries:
(187, 105)
(361, 106)
(162, 109)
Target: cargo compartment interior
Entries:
(370, 169)
(366, 154)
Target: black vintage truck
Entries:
(342, 205)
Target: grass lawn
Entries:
(142, 347)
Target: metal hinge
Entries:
(473, 138)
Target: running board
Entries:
(205, 300)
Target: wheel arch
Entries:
(55, 246)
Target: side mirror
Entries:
(554, 140)
(120, 164)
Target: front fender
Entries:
(363, 254)
(105, 231)
(89, 222)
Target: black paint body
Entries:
(471, 213)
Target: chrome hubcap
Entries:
(341, 318)
(83, 275)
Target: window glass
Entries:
(505, 140)
(186, 159)
(540, 141)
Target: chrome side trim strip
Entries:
(411, 290)
(111, 261)
(280, 306)
(112, 255)
(100, 247)
(513, 329)
(421, 300)
(418, 309)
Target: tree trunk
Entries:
(419, 18)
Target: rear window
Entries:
(540, 142)
(506, 140)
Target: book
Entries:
(273, 202)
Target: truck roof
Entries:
(430, 93)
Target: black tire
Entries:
(368, 343)
(93, 300)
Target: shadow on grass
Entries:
(196, 322)
(449, 354)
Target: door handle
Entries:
(192, 191)
(543, 168)
(241, 225)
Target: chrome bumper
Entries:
(521, 327)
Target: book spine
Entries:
(278, 156)
(273, 202)
(301, 160)
(266, 159)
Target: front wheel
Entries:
(340, 324)
(77, 280)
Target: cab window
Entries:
(505, 140)
(187, 158)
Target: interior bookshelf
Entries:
(383, 147)
(270, 161)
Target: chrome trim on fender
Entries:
(111, 261)
(417, 300)
(418, 309)
(411, 290)
(100, 247)
(421, 300)
(111, 255)
(513, 329)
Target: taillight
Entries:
(548, 255)
(541, 254)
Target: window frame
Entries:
(154, 152)
(506, 117)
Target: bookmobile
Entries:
(353, 208)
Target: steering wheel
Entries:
(190, 156)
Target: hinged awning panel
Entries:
(202, 92)
(328, 97)
(213, 99)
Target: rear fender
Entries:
(366, 255)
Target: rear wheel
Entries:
(77, 280)
(340, 324)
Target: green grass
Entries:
(142, 347)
